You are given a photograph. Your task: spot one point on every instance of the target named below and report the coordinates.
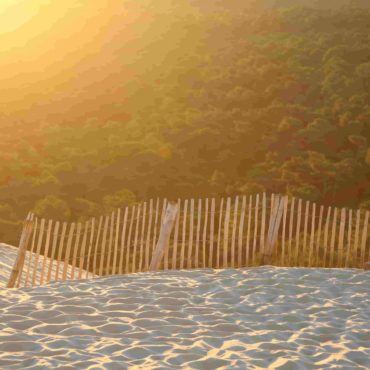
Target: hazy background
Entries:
(105, 103)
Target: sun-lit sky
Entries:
(53, 50)
(63, 56)
(15, 13)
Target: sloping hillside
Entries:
(129, 101)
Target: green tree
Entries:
(52, 207)
(119, 199)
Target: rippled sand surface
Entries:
(256, 318)
(8, 255)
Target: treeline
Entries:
(215, 102)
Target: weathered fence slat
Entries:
(46, 251)
(123, 238)
(349, 238)
(137, 224)
(53, 251)
(164, 236)
(272, 200)
(341, 236)
(191, 228)
(211, 232)
(61, 243)
(148, 234)
(273, 216)
(307, 209)
(116, 240)
(290, 250)
(82, 251)
(357, 235)
(19, 262)
(241, 229)
(31, 254)
(247, 252)
(255, 230)
(312, 234)
(155, 225)
(298, 232)
(110, 244)
(333, 235)
(176, 236)
(143, 223)
(205, 235)
(21, 275)
(103, 245)
(275, 221)
(90, 251)
(218, 252)
(273, 197)
(68, 251)
(199, 212)
(165, 259)
(75, 250)
(233, 235)
(364, 237)
(285, 212)
(318, 238)
(226, 232)
(37, 256)
(128, 244)
(96, 245)
(326, 231)
(263, 221)
(183, 241)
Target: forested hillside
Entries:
(188, 98)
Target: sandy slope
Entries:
(257, 318)
(8, 254)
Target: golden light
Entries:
(15, 13)
(51, 50)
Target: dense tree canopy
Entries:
(224, 100)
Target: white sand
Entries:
(257, 318)
(8, 254)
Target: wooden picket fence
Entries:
(207, 233)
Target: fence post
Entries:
(164, 235)
(274, 225)
(19, 261)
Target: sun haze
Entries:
(104, 98)
(15, 13)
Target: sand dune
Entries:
(252, 318)
(8, 254)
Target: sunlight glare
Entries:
(15, 13)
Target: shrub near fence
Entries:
(214, 233)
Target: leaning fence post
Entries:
(19, 261)
(164, 235)
(275, 221)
